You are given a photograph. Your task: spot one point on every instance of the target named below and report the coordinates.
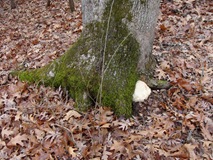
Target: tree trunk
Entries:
(102, 67)
(12, 4)
(72, 5)
(48, 3)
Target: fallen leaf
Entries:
(106, 154)
(185, 85)
(117, 146)
(6, 133)
(18, 139)
(72, 113)
(72, 151)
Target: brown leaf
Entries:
(207, 129)
(163, 27)
(185, 85)
(72, 151)
(190, 148)
(180, 152)
(18, 116)
(72, 113)
(106, 125)
(39, 134)
(35, 41)
(106, 154)
(2, 143)
(18, 140)
(123, 124)
(6, 133)
(19, 87)
(104, 116)
(134, 138)
(208, 98)
(117, 146)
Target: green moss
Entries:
(143, 1)
(121, 9)
(79, 69)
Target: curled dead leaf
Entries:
(72, 113)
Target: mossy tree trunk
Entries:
(102, 67)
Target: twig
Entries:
(104, 54)
(66, 129)
(116, 52)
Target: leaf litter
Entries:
(38, 122)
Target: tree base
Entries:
(102, 66)
(78, 72)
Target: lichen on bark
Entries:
(105, 46)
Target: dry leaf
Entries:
(72, 113)
(117, 146)
(106, 154)
(18, 139)
(6, 133)
(72, 151)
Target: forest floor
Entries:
(40, 123)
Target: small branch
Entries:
(104, 54)
(66, 129)
(156, 84)
(116, 52)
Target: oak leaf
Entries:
(106, 154)
(72, 113)
(18, 139)
(72, 151)
(5, 133)
(118, 146)
(123, 125)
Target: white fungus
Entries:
(142, 91)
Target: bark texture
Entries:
(141, 24)
(12, 4)
(103, 66)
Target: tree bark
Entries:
(102, 67)
(48, 3)
(12, 4)
(72, 5)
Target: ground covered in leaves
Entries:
(37, 122)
